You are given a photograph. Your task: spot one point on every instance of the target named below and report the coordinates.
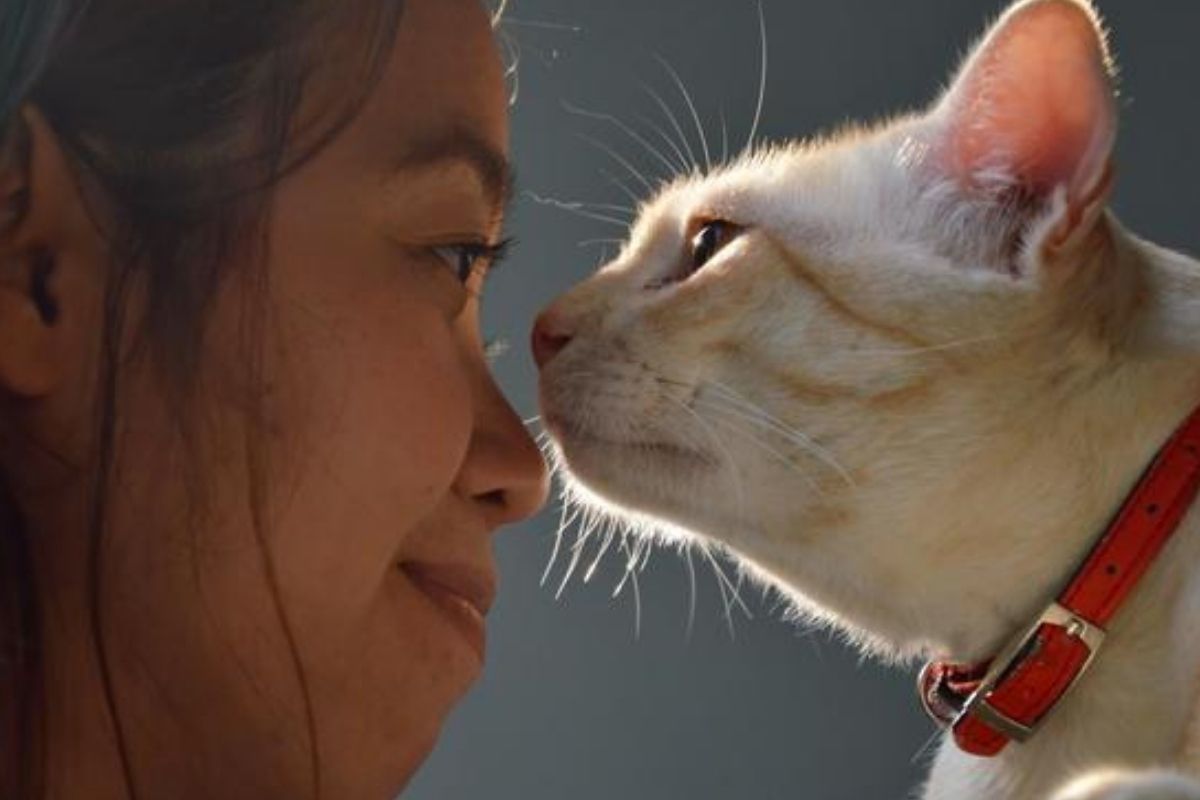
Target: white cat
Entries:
(907, 374)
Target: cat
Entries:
(906, 374)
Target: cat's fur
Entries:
(913, 389)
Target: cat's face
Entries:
(814, 352)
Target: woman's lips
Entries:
(463, 594)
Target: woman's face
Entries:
(389, 458)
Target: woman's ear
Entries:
(51, 273)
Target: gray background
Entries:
(574, 705)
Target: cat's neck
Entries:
(1091, 452)
(1136, 704)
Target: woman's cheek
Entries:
(395, 396)
(433, 413)
(382, 441)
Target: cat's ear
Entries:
(1032, 114)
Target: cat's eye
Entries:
(707, 238)
(710, 239)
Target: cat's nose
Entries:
(550, 336)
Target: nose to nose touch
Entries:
(549, 338)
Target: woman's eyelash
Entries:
(495, 254)
(466, 258)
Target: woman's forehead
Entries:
(444, 73)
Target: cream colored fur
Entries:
(912, 407)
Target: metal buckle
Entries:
(1076, 627)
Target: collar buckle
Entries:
(1055, 621)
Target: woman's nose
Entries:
(504, 471)
(550, 336)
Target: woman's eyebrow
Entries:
(490, 164)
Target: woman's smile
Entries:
(462, 594)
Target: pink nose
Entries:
(549, 338)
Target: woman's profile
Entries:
(251, 453)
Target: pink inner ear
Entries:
(1035, 104)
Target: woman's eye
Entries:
(467, 258)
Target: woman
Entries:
(251, 452)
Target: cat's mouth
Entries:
(575, 440)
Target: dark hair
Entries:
(178, 116)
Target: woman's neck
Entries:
(82, 753)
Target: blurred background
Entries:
(582, 699)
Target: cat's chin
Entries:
(643, 476)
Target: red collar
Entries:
(1007, 698)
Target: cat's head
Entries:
(835, 356)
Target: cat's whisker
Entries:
(631, 574)
(578, 209)
(724, 136)
(512, 70)
(693, 164)
(687, 98)
(628, 130)
(609, 534)
(563, 508)
(633, 171)
(579, 205)
(758, 425)
(927, 747)
(601, 242)
(546, 445)
(637, 605)
(723, 579)
(624, 187)
(725, 602)
(782, 428)
(567, 516)
(749, 436)
(611, 208)
(673, 382)
(904, 352)
(691, 573)
(762, 81)
(735, 478)
(550, 26)
(763, 421)
(729, 592)
(683, 165)
(597, 520)
(620, 587)
(587, 527)
(735, 591)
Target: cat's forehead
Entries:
(838, 183)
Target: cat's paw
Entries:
(1128, 785)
